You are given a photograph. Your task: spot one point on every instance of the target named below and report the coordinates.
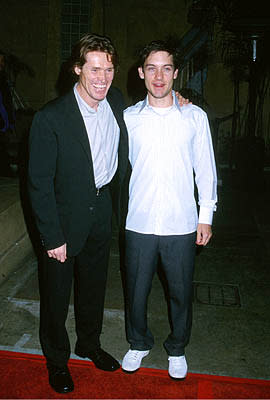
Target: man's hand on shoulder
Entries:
(204, 234)
(181, 100)
(60, 253)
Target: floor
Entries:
(231, 322)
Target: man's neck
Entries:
(163, 102)
(82, 91)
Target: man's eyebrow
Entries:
(155, 65)
(101, 67)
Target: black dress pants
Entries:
(177, 255)
(89, 271)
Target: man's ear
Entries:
(175, 74)
(141, 73)
(77, 70)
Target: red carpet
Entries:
(24, 376)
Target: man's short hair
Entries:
(160, 45)
(92, 42)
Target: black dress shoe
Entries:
(101, 359)
(60, 379)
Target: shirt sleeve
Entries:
(205, 170)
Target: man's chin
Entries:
(101, 95)
(160, 94)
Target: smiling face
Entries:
(159, 73)
(95, 77)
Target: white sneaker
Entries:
(177, 367)
(132, 360)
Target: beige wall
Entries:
(30, 30)
(133, 23)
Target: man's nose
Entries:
(101, 75)
(159, 73)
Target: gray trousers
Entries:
(177, 255)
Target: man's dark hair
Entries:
(160, 45)
(92, 42)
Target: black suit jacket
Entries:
(61, 178)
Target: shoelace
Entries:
(135, 355)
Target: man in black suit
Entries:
(78, 160)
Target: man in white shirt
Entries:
(168, 146)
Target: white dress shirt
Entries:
(167, 147)
(103, 134)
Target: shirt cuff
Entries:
(205, 215)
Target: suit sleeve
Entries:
(41, 176)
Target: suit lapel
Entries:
(116, 103)
(117, 111)
(76, 126)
